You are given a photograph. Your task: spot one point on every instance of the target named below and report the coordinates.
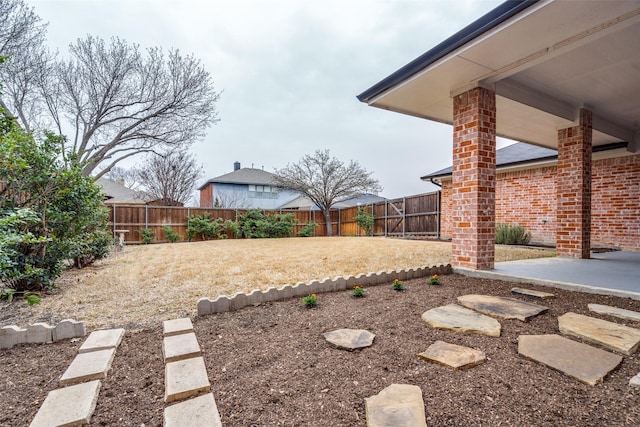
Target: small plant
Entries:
(310, 301)
(397, 285)
(357, 291)
(31, 298)
(434, 280)
(364, 220)
(307, 230)
(171, 235)
(147, 235)
(511, 235)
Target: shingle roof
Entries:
(117, 193)
(514, 154)
(243, 176)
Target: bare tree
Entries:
(22, 36)
(170, 177)
(123, 176)
(326, 181)
(113, 99)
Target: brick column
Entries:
(474, 174)
(573, 236)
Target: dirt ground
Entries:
(270, 366)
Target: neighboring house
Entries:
(526, 193)
(244, 188)
(304, 203)
(116, 193)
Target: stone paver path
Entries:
(452, 355)
(74, 405)
(635, 381)
(399, 405)
(459, 319)
(185, 377)
(620, 313)
(506, 308)
(69, 406)
(581, 361)
(532, 294)
(350, 339)
(608, 334)
(88, 366)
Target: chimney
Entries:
(236, 166)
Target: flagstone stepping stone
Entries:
(178, 347)
(506, 308)
(453, 356)
(399, 405)
(452, 317)
(88, 366)
(101, 340)
(185, 378)
(635, 381)
(69, 406)
(350, 339)
(615, 311)
(177, 326)
(580, 361)
(532, 293)
(608, 334)
(200, 411)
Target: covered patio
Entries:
(557, 74)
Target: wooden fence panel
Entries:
(408, 216)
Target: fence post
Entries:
(386, 214)
(146, 216)
(339, 222)
(114, 221)
(438, 216)
(404, 216)
(188, 223)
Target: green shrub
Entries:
(307, 230)
(170, 235)
(364, 220)
(209, 228)
(147, 235)
(511, 235)
(255, 224)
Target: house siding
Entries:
(528, 198)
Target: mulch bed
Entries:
(270, 366)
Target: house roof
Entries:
(118, 193)
(306, 203)
(520, 153)
(243, 176)
(544, 60)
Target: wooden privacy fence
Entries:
(408, 216)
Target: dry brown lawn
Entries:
(144, 284)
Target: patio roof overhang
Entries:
(545, 60)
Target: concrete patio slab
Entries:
(452, 317)
(88, 366)
(580, 361)
(185, 378)
(399, 405)
(608, 334)
(506, 308)
(101, 340)
(452, 355)
(69, 406)
(200, 411)
(620, 313)
(178, 347)
(177, 326)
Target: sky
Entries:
(289, 72)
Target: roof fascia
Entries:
(486, 23)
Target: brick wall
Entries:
(206, 196)
(474, 158)
(528, 198)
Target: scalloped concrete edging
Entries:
(239, 300)
(40, 333)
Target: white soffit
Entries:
(544, 65)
